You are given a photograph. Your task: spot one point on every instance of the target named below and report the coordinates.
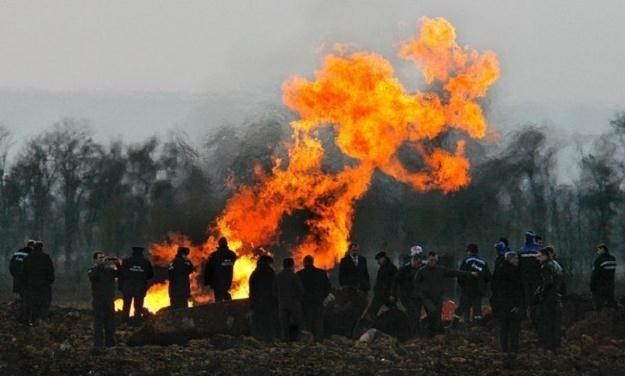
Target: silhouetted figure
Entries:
(501, 248)
(549, 309)
(289, 291)
(135, 273)
(353, 270)
(179, 283)
(472, 289)
(263, 302)
(383, 288)
(602, 279)
(218, 271)
(102, 277)
(316, 288)
(38, 273)
(16, 266)
(529, 269)
(507, 300)
(404, 289)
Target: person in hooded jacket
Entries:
(529, 268)
(38, 276)
(501, 248)
(472, 289)
(102, 277)
(179, 283)
(263, 302)
(135, 273)
(16, 265)
(218, 271)
(602, 279)
(316, 288)
(506, 301)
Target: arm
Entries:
(13, 267)
(342, 279)
(149, 271)
(326, 287)
(50, 270)
(367, 285)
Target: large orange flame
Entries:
(372, 115)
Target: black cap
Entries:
(379, 255)
(183, 251)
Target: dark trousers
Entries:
(138, 304)
(313, 318)
(37, 303)
(434, 308)
(509, 328)
(604, 298)
(468, 302)
(413, 311)
(222, 295)
(264, 320)
(178, 302)
(549, 321)
(291, 321)
(103, 324)
(529, 289)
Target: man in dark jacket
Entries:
(429, 282)
(506, 301)
(179, 283)
(383, 288)
(501, 248)
(264, 305)
(218, 271)
(529, 269)
(289, 291)
(353, 272)
(102, 277)
(549, 309)
(15, 267)
(404, 289)
(602, 279)
(38, 276)
(136, 271)
(316, 288)
(472, 289)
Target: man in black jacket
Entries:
(218, 271)
(38, 276)
(383, 288)
(179, 284)
(264, 305)
(404, 289)
(507, 301)
(16, 266)
(602, 279)
(549, 309)
(429, 282)
(102, 277)
(472, 289)
(288, 289)
(353, 271)
(316, 288)
(136, 271)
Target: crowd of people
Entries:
(525, 284)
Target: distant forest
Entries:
(77, 195)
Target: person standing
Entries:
(218, 271)
(383, 288)
(602, 279)
(179, 283)
(472, 289)
(16, 266)
(102, 277)
(506, 301)
(429, 282)
(404, 289)
(288, 289)
(549, 302)
(316, 288)
(135, 273)
(38, 276)
(530, 271)
(353, 272)
(264, 305)
(501, 248)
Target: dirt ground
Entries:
(594, 345)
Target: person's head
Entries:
(530, 237)
(512, 257)
(432, 258)
(309, 261)
(223, 242)
(288, 263)
(354, 249)
(472, 249)
(415, 261)
(38, 246)
(381, 257)
(264, 260)
(98, 257)
(137, 250)
(539, 240)
(30, 244)
(183, 252)
(504, 241)
(543, 256)
(602, 248)
(551, 252)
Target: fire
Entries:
(372, 115)
(157, 298)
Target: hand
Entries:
(391, 299)
(515, 310)
(475, 274)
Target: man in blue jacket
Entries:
(472, 289)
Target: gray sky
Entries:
(556, 53)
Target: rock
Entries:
(65, 346)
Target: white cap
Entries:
(416, 250)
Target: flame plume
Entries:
(372, 115)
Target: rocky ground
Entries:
(62, 346)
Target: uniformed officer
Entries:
(602, 279)
(102, 277)
(179, 283)
(136, 271)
